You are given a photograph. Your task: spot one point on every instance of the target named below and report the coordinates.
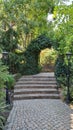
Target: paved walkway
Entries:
(40, 114)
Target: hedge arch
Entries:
(32, 54)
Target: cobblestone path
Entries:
(40, 114)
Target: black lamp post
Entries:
(5, 56)
(68, 54)
(5, 59)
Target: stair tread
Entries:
(19, 85)
(36, 82)
(26, 95)
(37, 78)
(47, 89)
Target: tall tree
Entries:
(63, 27)
(27, 17)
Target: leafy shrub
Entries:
(15, 62)
(2, 118)
(3, 78)
(60, 70)
(10, 82)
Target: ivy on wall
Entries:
(32, 54)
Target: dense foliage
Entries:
(63, 33)
(23, 22)
(32, 53)
(64, 29)
(4, 77)
(26, 17)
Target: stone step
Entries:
(36, 82)
(37, 78)
(40, 86)
(17, 86)
(31, 91)
(36, 96)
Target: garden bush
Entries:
(2, 117)
(61, 71)
(4, 77)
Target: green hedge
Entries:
(32, 54)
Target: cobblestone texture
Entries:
(42, 114)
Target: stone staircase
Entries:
(39, 86)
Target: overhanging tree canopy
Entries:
(27, 17)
